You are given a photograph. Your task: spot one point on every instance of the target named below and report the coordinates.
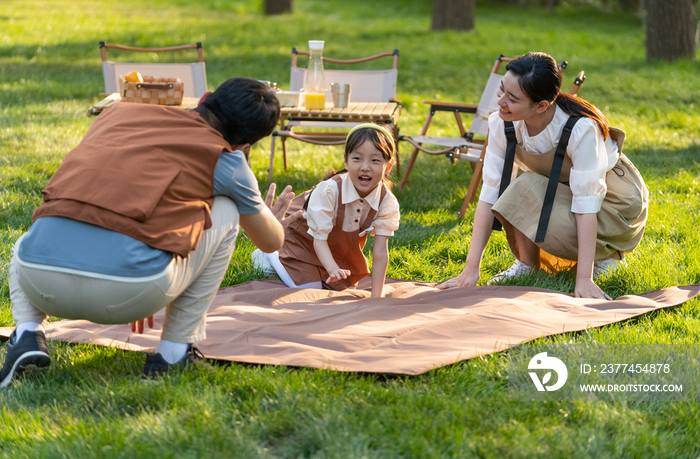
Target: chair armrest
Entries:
(395, 100)
(437, 105)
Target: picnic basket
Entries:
(153, 90)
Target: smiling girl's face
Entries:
(366, 167)
(513, 103)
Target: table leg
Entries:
(272, 156)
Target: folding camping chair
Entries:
(193, 75)
(367, 86)
(466, 147)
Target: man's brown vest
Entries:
(146, 171)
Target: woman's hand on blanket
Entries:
(140, 325)
(338, 274)
(465, 279)
(586, 288)
(280, 207)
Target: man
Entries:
(143, 214)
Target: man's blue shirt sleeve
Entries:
(234, 179)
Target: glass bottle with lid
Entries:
(315, 80)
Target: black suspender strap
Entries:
(507, 165)
(554, 178)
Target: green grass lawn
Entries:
(90, 402)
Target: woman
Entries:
(596, 206)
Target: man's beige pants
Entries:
(185, 288)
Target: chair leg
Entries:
(462, 133)
(272, 156)
(409, 167)
(470, 196)
(465, 206)
(398, 157)
(284, 153)
(411, 161)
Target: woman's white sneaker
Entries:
(518, 269)
(606, 266)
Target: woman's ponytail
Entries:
(575, 106)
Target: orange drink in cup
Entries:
(315, 100)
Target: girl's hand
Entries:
(586, 288)
(338, 274)
(465, 279)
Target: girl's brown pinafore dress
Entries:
(299, 258)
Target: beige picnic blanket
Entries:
(413, 329)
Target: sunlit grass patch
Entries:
(90, 402)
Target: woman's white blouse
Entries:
(322, 209)
(592, 158)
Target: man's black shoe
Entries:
(30, 350)
(156, 365)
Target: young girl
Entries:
(324, 247)
(593, 209)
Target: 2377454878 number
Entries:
(635, 368)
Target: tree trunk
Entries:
(670, 29)
(278, 6)
(551, 4)
(629, 5)
(453, 14)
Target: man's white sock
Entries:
(28, 326)
(171, 351)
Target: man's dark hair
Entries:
(242, 109)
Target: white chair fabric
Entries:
(479, 125)
(193, 75)
(487, 105)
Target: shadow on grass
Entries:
(666, 162)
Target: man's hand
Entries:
(280, 207)
(140, 324)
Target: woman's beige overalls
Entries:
(621, 218)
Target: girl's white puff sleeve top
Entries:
(591, 155)
(322, 209)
